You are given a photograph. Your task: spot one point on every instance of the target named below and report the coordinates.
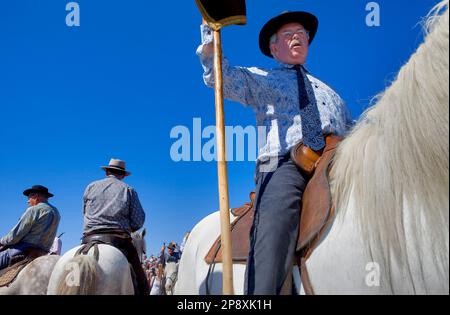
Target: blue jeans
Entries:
(274, 233)
(10, 252)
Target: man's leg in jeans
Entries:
(4, 259)
(275, 229)
(6, 255)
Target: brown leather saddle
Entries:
(17, 264)
(240, 231)
(115, 238)
(316, 216)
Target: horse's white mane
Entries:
(394, 165)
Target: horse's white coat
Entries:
(113, 275)
(171, 275)
(34, 278)
(193, 270)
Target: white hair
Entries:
(273, 40)
(395, 163)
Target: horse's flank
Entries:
(86, 276)
(34, 278)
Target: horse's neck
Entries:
(171, 268)
(139, 245)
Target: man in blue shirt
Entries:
(173, 255)
(35, 231)
(112, 211)
(293, 108)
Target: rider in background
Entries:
(112, 211)
(34, 233)
(172, 254)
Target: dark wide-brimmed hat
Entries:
(117, 165)
(39, 189)
(307, 20)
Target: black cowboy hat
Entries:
(307, 20)
(38, 189)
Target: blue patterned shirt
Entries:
(274, 97)
(37, 227)
(112, 204)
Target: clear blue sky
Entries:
(72, 98)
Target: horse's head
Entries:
(171, 275)
(139, 243)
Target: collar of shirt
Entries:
(288, 66)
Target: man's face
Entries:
(33, 200)
(292, 44)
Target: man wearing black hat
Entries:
(36, 230)
(112, 211)
(293, 107)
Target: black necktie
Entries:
(309, 113)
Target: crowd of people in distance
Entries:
(154, 266)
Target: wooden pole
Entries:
(225, 226)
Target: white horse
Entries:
(83, 275)
(171, 275)
(390, 184)
(140, 243)
(195, 276)
(34, 278)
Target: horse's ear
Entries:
(144, 231)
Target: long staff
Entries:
(225, 225)
(218, 14)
